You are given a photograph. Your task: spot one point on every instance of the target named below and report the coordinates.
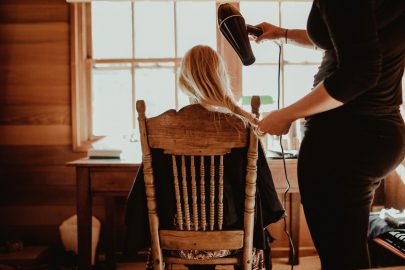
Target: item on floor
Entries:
(387, 241)
(394, 217)
(68, 233)
(25, 257)
(11, 246)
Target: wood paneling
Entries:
(34, 33)
(36, 135)
(34, 94)
(37, 175)
(35, 215)
(395, 188)
(37, 155)
(20, 195)
(52, 53)
(31, 234)
(41, 215)
(40, 195)
(37, 190)
(35, 115)
(27, 75)
(45, 10)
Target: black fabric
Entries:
(268, 206)
(365, 50)
(347, 151)
(342, 159)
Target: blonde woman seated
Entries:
(204, 79)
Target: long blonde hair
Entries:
(204, 78)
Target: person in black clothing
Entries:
(355, 134)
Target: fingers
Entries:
(260, 38)
(274, 125)
(262, 26)
(252, 37)
(270, 32)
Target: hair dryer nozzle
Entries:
(232, 26)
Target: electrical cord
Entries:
(282, 154)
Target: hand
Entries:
(270, 32)
(275, 123)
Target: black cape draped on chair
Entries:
(268, 206)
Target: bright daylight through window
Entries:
(137, 47)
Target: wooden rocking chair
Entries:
(188, 136)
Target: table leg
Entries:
(295, 207)
(84, 213)
(110, 207)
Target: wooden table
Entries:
(114, 177)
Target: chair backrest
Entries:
(198, 139)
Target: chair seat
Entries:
(219, 261)
(201, 240)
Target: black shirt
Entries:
(364, 43)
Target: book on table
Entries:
(104, 153)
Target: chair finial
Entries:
(255, 104)
(140, 106)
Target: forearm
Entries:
(298, 37)
(294, 36)
(315, 102)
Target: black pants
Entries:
(341, 162)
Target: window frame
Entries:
(82, 62)
(81, 71)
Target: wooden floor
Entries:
(306, 263)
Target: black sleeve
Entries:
(352, 29)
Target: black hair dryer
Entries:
(232, 26)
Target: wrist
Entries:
(288, 114)
(281, 33)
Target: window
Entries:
(131, 50)
(136, 52)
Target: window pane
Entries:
(196, 24)
(298, 81)
(112, 102)
(154, 29)
(261, 80)
(183, 99)
(157, 88)
(111, 23)
(255, 13)
(295, 14)
(299, 54)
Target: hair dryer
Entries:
(232, 26)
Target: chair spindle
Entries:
(221, 193)
(202, 194)
(212, 193)
(194, 194)
(177, 191)
(185, 193)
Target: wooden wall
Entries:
(37, 190)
